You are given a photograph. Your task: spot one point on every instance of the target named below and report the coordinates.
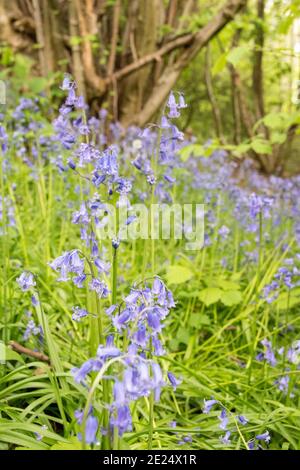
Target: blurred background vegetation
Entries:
(236, 61)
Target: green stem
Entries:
(151, 417)
(114, 275)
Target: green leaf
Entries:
(210, 295)
(286, 299)
(73, 444)
(173, 344)
(197, 320)
(228, 285)
(75, 40)
(183, 335)
(237, 54)
(193, 149)
(240, 150)
(261, 146)
(37, 84)
(178, 274)
(231, 297)
(7, 354)
(219, 65)
(278, 138)
(273, 120)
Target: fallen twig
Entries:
(29, 352)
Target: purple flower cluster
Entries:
(7, 214)
(143, 315)
(223, 418)
(290, 354)
(140, 322)
(26, 281)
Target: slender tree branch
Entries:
(29, 352)
(171, 73)
(92, 78)
(114, 38)
(153, 56)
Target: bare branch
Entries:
(114, 38)
(29, 352)
(171, 73)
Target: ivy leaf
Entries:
(178, 274)
(231, 297)
(210, 295)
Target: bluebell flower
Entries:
(34, 300)
(67, 83)
(26, 281)
(79, 313)
(132, 297)
(173, 107)
(185, 440)
(68, 262)
(293, 354)
(80, 373)
(224, 232)
(32, 330)
(91, 428)
(39, 435)
(79, 280)
(102, 266)
(154, 320)
(158, 349)
(108, 351)
(120, 321)
(115, 243)
(99, 287)
(174, 382)
(251, 444)
(110, 310)
(208, 404)
(283, 384)
(182, 104)
(223, 419)
(264, 437)
(141, 337)
(269, 354)
(242, 419)
(226, 438)
(121, 418)
(157, 380)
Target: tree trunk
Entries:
(131, 64)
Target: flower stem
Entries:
(114, 275)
